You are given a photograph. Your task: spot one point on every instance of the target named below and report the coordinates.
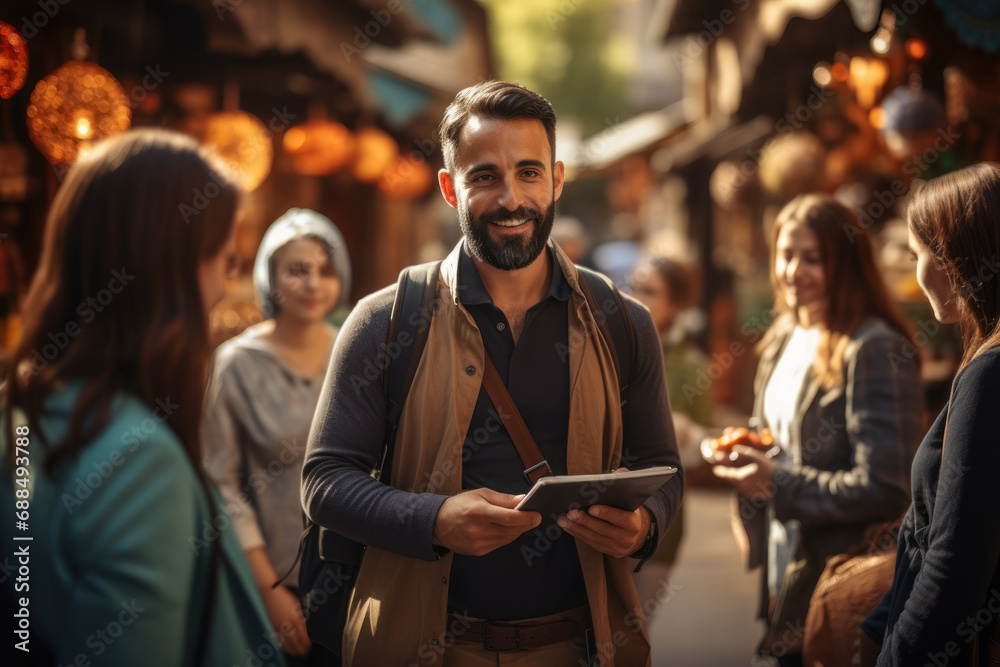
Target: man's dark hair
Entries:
(498, 100)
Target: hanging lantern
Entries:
(77, 105)
(407, 179)
(319, 147)
(376, 153)
(243, 142)
(916, 48)
(910, 120)
(792, 163)
(13, 60)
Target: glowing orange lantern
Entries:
(916, 48)
(77, 105)
(243, 142)
(13, 60)
(407, 179)
(319, 147)
(376, 153)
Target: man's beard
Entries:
(507, 253)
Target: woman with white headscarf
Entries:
(265, 386)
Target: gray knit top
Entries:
(254, 436)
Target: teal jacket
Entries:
(121, 549)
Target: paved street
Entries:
(708, 622)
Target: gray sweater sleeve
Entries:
(346, 438)
(224, 455)
(649, 438)
(345, 442)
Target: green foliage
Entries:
(570, 51)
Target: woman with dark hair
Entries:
(132, 557)
(838, 386)
(945, 597)
(265, 386)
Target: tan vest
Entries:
(398, 615)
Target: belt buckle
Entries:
(486, 641)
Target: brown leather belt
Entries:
(501, 636)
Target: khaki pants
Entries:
(471, 653)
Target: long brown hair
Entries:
(855, 287)
(115, 302)
(957, 218)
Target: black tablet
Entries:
(559, 494)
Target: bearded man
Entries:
(453, 574)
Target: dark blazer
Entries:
(850, 455)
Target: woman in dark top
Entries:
(945, 596)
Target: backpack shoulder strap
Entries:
(408, 328)
(611, 314)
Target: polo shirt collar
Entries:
(472, 292)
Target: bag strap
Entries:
(603, 299)
(535, 465)
(409, 325)
(611, 314)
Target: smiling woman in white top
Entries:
(265, 386)
(838, 385)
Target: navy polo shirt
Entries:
(539, 573)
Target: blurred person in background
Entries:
(570, 235)
(669, 288)
(838, 385)
(263, 394)
(942, 607)
(132, 560)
